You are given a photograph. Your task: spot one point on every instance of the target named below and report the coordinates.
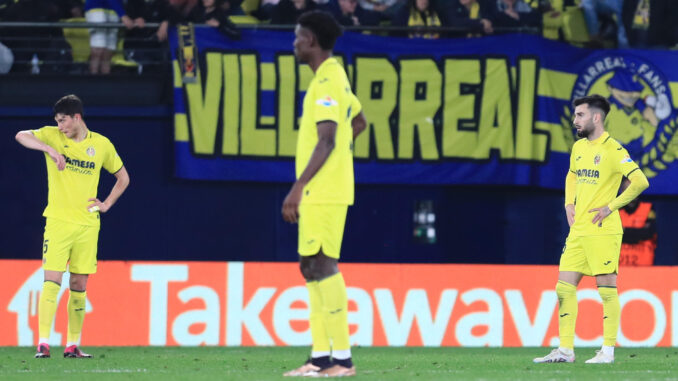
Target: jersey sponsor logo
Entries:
(596, 160)
(592, 173)
(627, 159)
(327, 101)
(90, 151)
(642, 117)
(79, 163)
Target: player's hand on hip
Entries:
(290, 208)
(57, 158)
(569, 212)
(97, 206)
(601, 213)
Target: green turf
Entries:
(372, 364)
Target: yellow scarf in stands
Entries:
(474, 12)
(427, 18)
(641, 18)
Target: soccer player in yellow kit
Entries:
(319, 199)
(75, 157)
(597, 165)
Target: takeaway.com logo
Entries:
(236, 304)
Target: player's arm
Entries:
(571, 189)
(30, 141)
(359, 124)
(570, 192)
(118, 189)
(638, 183)
(327, 130)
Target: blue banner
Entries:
(493, 110)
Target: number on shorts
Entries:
(44, 246)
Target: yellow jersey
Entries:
(328, 98)
(598, 166)
(70, 189)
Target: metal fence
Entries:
(64, 47)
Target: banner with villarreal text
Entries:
(256, 304)
(494, 110)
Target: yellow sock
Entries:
(321, 342)
(335, 304)
(76, 315)
(567, 313)
(610, 314)
(47, 307)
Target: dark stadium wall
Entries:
(163, 218)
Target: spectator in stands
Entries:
(286, 12)
(553, 19)
(72, 8)
(476, 16)
(104, 41)
(387, 8)
(648, 22)
(420, 13)
(515, 14)
(145, 45)
(266, 9)
(153, 11)
(350, 13)
(37, 44)
(231, 7)
(640, 234)
(211, 13)
(6, 59)
(593, 9)
(181, 11)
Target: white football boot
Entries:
(601, 358)
(556, 355)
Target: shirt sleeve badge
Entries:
(326, 101)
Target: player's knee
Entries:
(325, 266)
(78, 282)
(564, 290)
(607, 293)
(305, 266)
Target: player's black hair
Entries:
(594, 101)
(323, 25)
(69, 105)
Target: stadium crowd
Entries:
(588, 23)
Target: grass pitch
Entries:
(210, 363)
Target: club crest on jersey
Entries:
(641, 104)
(90, 151)
(596, 160)
(327, 101)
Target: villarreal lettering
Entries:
(419, 108)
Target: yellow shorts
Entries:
(66, 242)
(321, 226)
(591, 255)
